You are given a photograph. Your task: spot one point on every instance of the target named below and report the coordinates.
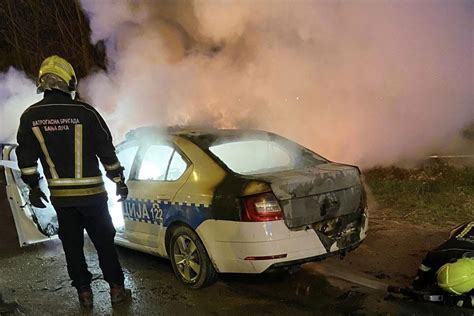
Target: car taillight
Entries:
(261, 208)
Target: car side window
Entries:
(126, 157)
(155, 162)
(177, 167)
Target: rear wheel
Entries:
(189, 259)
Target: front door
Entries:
(159, 172)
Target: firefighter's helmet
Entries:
(56, 73)
(457, 277)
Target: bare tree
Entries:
(31, 30)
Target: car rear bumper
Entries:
(287, 264)
(244, 247)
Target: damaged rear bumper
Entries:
(231, 244)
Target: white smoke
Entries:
(364, 82)
(17, 92)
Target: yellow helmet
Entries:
(457, 277)
(56, 73)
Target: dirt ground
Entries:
(36, 278)
(394, 248)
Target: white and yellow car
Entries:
(220, 201)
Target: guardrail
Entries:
(460, 160)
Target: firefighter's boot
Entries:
(86, 297)
(118, 294)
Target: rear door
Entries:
(159, 171)
(32, 224)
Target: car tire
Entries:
(189, 259)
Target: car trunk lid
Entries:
(317, 193)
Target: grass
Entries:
(438, 194)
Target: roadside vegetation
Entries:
(437, 193)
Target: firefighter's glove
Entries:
(122, 190)
(35, 197)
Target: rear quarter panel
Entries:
(204, 178)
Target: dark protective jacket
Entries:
(460, 244)
(67, 136)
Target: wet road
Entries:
(36, 278)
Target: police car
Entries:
(220, 201)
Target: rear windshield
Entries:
(257, 156)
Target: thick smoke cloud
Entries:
(365, 82)
(16, 93)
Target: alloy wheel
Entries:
(187, 258)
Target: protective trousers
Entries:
(96, 220)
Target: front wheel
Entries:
(189, 259)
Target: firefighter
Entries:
(68, 137)
(450, 267)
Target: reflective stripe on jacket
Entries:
(67, 136)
